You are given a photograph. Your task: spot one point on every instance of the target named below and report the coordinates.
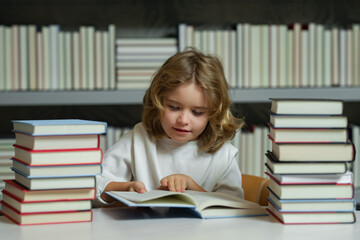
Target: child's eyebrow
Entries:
(175, 102)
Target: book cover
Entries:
(55, 142)
(308, 135)
(340, 152)
(59, 127)
(312, 205)
(306, 106)
(56, 171)
(303, 167)
(312, 217)
(312, 191)
(344, 178)
(44, 206)
(45, 218)
(24, 194)
(55, 183)
(59, 156)
(308, 121)
(202, 204)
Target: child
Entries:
(182, 142)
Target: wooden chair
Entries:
(255, 189)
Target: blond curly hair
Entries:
(207, 72)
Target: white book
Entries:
(319, 56)
(83, 58)
(356, 55)
(8, 59)
(335, 63)
(342, 57)
(255, 56)
(197, 39)
(189, 36)
(182, 36)
(327, 58)
(2, 58)
(40, 61)
(24, 55)
(46, 58)
(297, 55)
(233, 59)
(61, 65)
(32, 61)
(105, 63)
(246, 54)
(112, 37)
(90, 62)
(312, 54)
(258, 165)
(68, 60)
(274, 51)
(349, 60)
(98, 61)
(305, 58)
(239, 54)
(283, 79)
(290, 59)
(76, 60)
(54, 57)
(15, 46)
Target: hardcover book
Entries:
(59, 127)
(56, 171)
(24, 194)
(312, 191)
(305, 167)
(45, 217)
(312, 205)
(57, 141)
(202, 204)
(55, 183)
(308, 135)
(311, 217)
(51, 206)
(59, 156)
(306, 106)
(308, 121)
(341, 152)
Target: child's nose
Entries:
(183, 117)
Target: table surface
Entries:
(147, 223)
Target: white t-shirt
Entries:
(137, 156)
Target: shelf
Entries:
(131, 96)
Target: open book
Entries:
(202, 204)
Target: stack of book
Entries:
(309, 177)
(55, 164)
(6, 153)
(137, 59)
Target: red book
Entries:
(45, 217)
(23, 194)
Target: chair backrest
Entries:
(255, 189)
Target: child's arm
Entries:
(179, 183)
(135, 186)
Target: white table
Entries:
(133, 224)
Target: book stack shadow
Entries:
(55, 164)
(310, 181)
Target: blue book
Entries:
(59, 127)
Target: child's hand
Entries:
(138, 187)
(174, 183)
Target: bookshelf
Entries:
(134, 96)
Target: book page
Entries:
(153, 198)
(212, 199)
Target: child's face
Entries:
(185, 113)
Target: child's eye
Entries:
(172, 107)
(197, 113)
